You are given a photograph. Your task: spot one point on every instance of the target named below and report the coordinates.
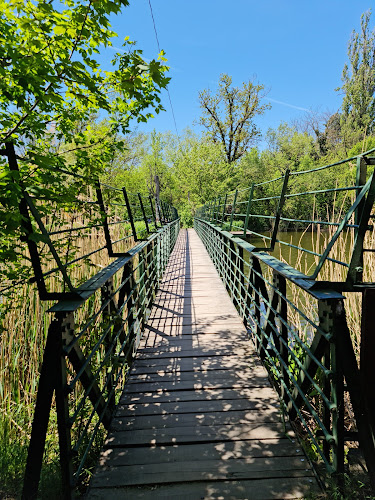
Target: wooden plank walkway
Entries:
(198, 418)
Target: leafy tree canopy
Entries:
(49, 74)
(228, 115)
(51, 90)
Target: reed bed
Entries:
(24, 323)
(334, 273)
(307, 307)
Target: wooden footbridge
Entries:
(180, 353)
(198, 417)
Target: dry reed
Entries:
(24, 326)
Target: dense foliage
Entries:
(51, 90)
(358, 77)
(196, 168)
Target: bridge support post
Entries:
(47, 384)
(329, 323)
(52, 380)
(62, 410)
(368, 351)
(344, 363)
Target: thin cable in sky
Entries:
(158, 44)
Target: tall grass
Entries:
(24, 323)
(24, 326)
(334, 273)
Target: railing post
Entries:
(161, 207)
(204, 211)
(217, 220)
(355, 272)
(109, 310)
(165, 211)
(280, 283)
(143, 213)
(279, 208)
(130, 214)
(153, 211)
(107, 235)
(151, 273)
(246, 225)
(256, 286)
(360, 180)
(337, 383)
(233, 209)
(130, 295)
(269, 328)
(232, 250)
(242, 289)
(224, 208)
(169, 213)
(210, 217)
(213, 211)
(141, 287)
(62, 410)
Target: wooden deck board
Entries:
(222, 405)
(227, 450)
(198, 418)
(284, 488)
(190, 419)
(251, 468)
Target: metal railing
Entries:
(99, 317)
(297, 323)
(308, 353)
(266, 211)
(75, 222)
(89, 350)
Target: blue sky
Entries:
(297, 49)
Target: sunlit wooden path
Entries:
(198, 418)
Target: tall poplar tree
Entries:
(358, 107)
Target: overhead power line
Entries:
(169, 95)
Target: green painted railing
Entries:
(90, 346)
(298, 323)
(308, 354)
(98, 320)
(267, 210)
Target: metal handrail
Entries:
(268, 209)
(93, 340)
(308, 354)
(96, 325)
